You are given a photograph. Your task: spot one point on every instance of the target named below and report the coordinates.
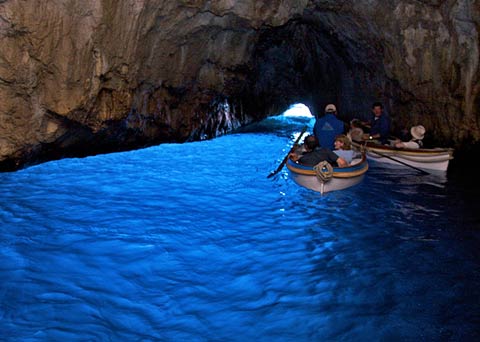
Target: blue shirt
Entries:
(347, 155)
(326, 129)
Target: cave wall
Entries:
(85, 77)
(421, 59)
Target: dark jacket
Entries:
(316, 156)
(380, 126)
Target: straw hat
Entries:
(355, 134)
(418, 132)
(330, 108)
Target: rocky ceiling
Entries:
(85, 77)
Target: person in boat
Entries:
(327, 127)
(418, 133)
(315, 154)
(355, 133)
(379, 125)
(343, 148)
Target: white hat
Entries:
(355, 134)
(418, 132)
(330, 108)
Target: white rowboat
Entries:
(424, 158)
(340, 178)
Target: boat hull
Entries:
(436, 159)
(342, 178)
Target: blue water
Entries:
(192, 242)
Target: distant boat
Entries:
(326, 178)
(436, 159)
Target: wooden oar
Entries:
(284, 161)
(401, 162)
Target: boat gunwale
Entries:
(338, 172)
(437, 151)
(431, 159)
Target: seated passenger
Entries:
(418, 133)
(379, 124)
(356, 131)
(315, 154)
(343, 148)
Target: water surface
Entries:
(192, 242)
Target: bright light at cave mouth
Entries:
(298, 109)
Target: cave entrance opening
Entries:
(298, 110)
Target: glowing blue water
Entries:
(193, 243)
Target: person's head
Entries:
(311, 142)
(342, 142)
(354, 123)
(377, 108)
(330, 108)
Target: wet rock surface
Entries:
(89, 77)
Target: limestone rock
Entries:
(85, 77)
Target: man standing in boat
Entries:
(328, 127)
(379, 125)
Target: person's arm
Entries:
(294, 156)
(384, 128)
(339, 160)
(367, 136)
(379, 130)
(366, 124)
(342, 162)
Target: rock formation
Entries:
(85, 77)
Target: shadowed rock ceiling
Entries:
(85, 77)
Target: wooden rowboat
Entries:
(424, 158)
(317, 180)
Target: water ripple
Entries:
(193, 242)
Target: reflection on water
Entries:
(193, 242)
(409, 176)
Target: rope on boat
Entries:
(323, 171)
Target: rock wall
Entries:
(85, 77)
